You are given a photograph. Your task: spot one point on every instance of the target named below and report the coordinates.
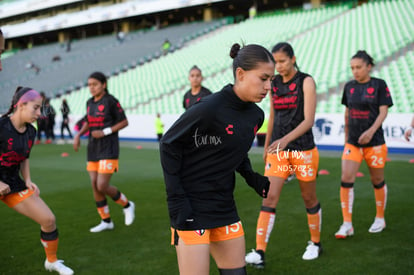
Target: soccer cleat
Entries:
(102, 226)
(255, 258)
(312, 251)
(59, 267)
(377, 226)
(344, 231)
(129, 213)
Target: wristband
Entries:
(107, 131)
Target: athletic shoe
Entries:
(102, 226)
(59, 267)
(129, 213)
(255, 258)
(345, 230)
(312, 251)
(377, 226)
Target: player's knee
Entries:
(49, 221)
(376, 179)
(233, 271)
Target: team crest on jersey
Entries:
(200, 232)
(229, 129)
(101, 108)
(370, 90)
(292, 86)
(352, 91)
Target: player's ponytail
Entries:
(364, 56)
(248, 57)
(101, 78)
(287, 49)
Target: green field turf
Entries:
(143, 248)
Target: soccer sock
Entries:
(121, 199)
(381, 192)
(103, 210)
(265, 224)
(315, 222)
(347, 200)
(50, 241)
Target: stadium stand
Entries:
(159, 85)
(103, 53)
(324, 40)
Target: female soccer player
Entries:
(367, 100)
(199, 155)
(65, 110)
(17, 136)
(105, 117)
(197, 91)
(289, 147)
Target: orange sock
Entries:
(347, 200)
(120, 199)
(50, 241)
(381, 192)
(103, 209)
(315, 223)
(265, 224)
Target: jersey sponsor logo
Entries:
(229, 129)
(200, 140)
(285, 102)
(11, 158)
(358, 114)
(95, 121)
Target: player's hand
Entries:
(407, 134)
(76, 143)
(277, 146)
(4, 188)
(258, 182)
(32, 186)
(365, 137)
(180, 210)
(97, 134)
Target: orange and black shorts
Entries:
(375, 156)
(103, 166)
(206, 236)
(11, 200)
(303, 163)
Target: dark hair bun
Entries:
(234, 50)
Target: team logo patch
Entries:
(292, 86)
(101, 108)
(348, 151)
(370, 90)
(200, 232)
(352, 91)
(229, 129)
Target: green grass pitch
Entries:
(144, 247)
